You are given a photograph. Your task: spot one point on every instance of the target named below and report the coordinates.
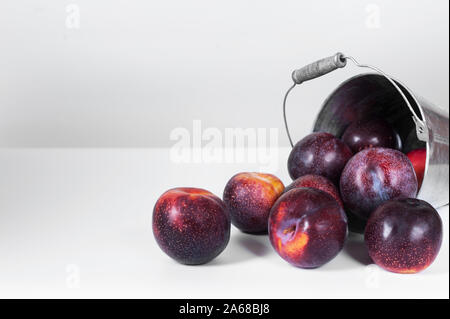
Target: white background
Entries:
(96, 104)
(135, 69)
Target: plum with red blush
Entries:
(317, 182)
(404, 236)
(249, 197)
(371, 133)
(191, 225)
(418, 160)
(374, 176)
(319, 154)
(307, 227)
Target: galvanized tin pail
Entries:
(418, 122)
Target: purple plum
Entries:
(191, 225)
(319, 154)
(374, 176)
(404, 236)
(317, 182)
(371, 133)
(249, 197)
(307, 227)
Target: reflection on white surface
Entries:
(76, 223)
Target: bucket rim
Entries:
(398, 82)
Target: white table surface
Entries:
(75, 223)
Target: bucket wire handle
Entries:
(339, 60)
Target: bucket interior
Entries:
(368, 96)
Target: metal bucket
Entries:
(419, 123)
